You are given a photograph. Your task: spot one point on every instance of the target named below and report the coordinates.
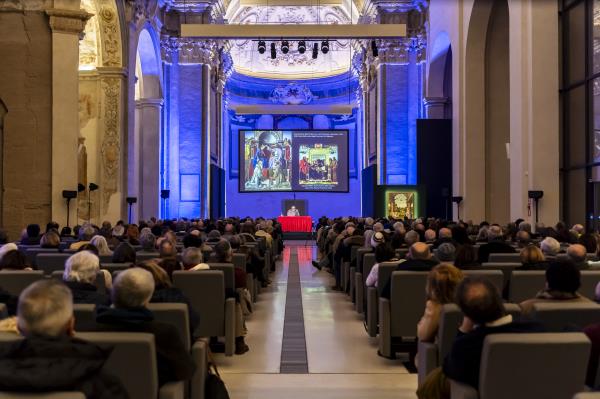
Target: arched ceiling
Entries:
(293, 65)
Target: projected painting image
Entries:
(401, 205)
(318, 165)
(268, 160)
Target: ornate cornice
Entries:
(398, 51)
(190, 51)
(67, 21)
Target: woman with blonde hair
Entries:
(100, 242)
(441, 283)
(532, 258)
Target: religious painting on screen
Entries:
(401, 205)
(268, 156)
(318, 164)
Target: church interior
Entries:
(288, 198)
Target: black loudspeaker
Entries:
(164, 194)
(457, 200)
(80, 187)
(434, 165)
(131, 200)
(536, 195)
(69, 194)
(93, 187)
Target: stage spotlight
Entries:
(80, 187)
(285, 47)
(315, 53)
(273, 51)
(325, 46)
(262, 46)
(301, 46)
(374, 49)
(93, 187)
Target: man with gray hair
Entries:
(411, 237)
(50, 358)
(132, 291)
(85, 235)
(148, 243)
(577, 254)
(496, 244)
(446, 253)
(192, 259)
(550, 247)
(81, 271)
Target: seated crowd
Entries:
(147, 255)
(444, 250)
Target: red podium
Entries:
(295, 224)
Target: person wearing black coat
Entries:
(50, 358)
(87, 293)
(495, 245)
(484, 313)
(420, 260)
(132, 291)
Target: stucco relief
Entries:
(111, 145)
(111, 37)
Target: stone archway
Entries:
(438, 102)
(144, 140)
(486, 115)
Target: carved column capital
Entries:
(67, 21)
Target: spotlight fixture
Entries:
(301, 46)
(374, 49)
(325, 46)
(315, 51)
(285, 47)
(262, 46)
(80, 187)
(93, 187)
(273, 51)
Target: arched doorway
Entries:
(439, 83)
(144, 141)
(484, 155)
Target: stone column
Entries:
(534, 108)
(150, 114)
(66, 27)
(206, 127)
(435, 107)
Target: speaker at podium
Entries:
(299, 205)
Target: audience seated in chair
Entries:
(563, 280)
(484, 314)
(31, 235)
(14, 260)
(532, 258)
(100, 242)
(466, 257)
(419, 259)
(81, 271)
(85, 234)
(164, 292)
(124, 253)
(50, 358)
(550, 248)
(383, 253)
(496, 244)
(577, 254)
(193, 259)
(50, 239)
(132, 291)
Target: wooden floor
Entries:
(342, 359)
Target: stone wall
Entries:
(26, 89)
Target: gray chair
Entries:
(135, 351)
(589, 280)
(505, 258)
(50, 262)
(175, 314)
(525, 284)
(228, 273)
(399, 315)
(365, 261)
(85, 316)
(520, 366)
(239, 260)
(205, 290)
(49, 395)
(352, 271)
(15, 281)
(558, 316)
(32, 253)
(146, 256)
(495, 276)
(384, 273)
(587, 395)
(431, 354)
(506, 268)
(112, 267)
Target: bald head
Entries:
(577, 253)
(429, 235)
(420, 250)
(445, 233)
